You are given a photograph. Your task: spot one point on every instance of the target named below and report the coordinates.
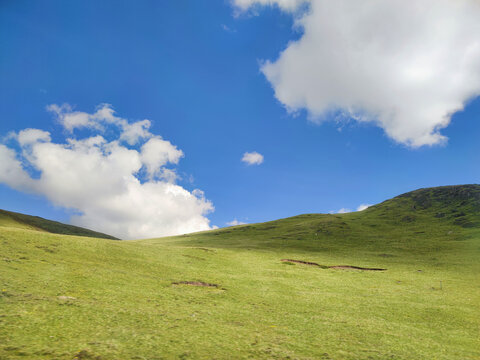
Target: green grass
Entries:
(66, 297)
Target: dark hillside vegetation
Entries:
(17, 220)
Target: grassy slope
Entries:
(21, 221)
(123, 304)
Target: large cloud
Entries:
(121, 186)
(406, 66)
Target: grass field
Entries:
(71, 297)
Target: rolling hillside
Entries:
(286, 289)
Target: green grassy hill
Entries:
(28, 222)
(227, 293)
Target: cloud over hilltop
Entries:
(235, 222)
(124, 186)
(405, 66)
(360, 207)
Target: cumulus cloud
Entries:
(119, 184)
(405, 66)
(252, 158)
(156, 153)
(235, 222)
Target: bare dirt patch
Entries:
(303, 262)
(349, 267)
(196, 283)
(340, 267)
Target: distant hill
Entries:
(419, 221)
(17, 220)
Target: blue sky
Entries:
(195, 70)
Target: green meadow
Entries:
(227, 294)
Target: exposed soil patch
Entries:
(340, 267)
(46, 248)
(304, 262)
(355, 268)
(196, 283)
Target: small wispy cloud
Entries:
(235, 222)
(228, 29)
(252, 158)
(361, 207)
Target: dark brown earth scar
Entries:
(302, 262)
(334, 266)
(355, 268)
(196, 283)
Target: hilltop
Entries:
(286, 289)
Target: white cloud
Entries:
(30, 136)
(156, 153)
(72, 119)
(131, 133)
(12, 172)
(102, 179)
(405, 66)
(363, 207)
(252, 158)
(235, 222)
